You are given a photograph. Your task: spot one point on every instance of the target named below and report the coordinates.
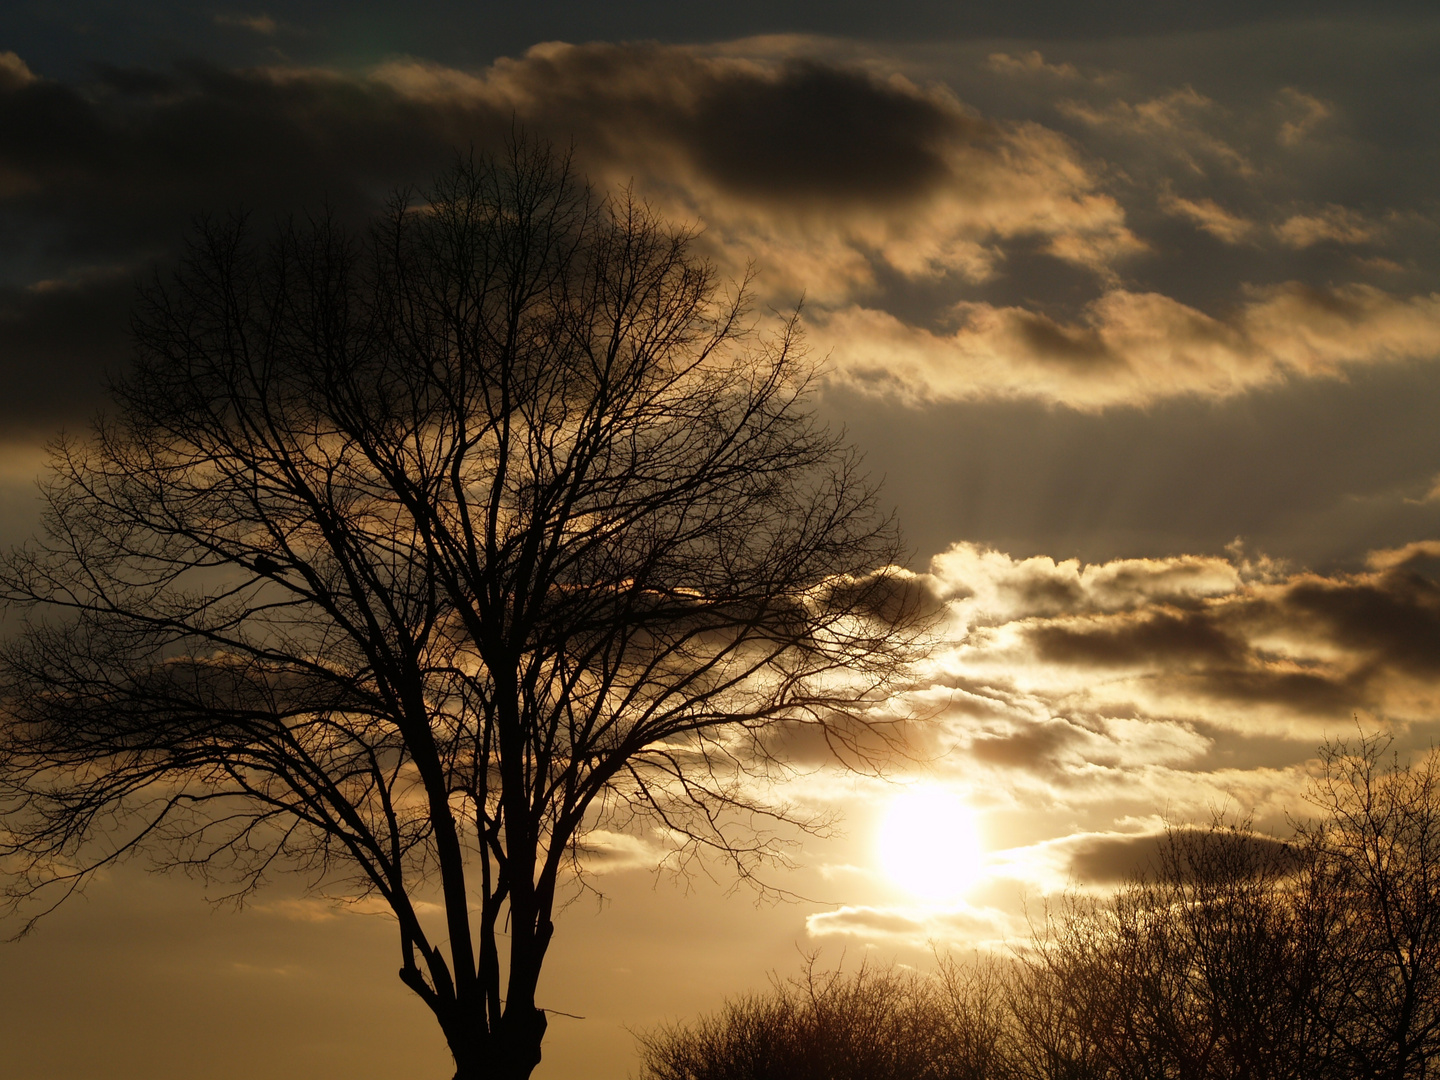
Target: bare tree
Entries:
(1201, 967)
(1377, 887)
(408, 559)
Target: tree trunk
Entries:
(509, 1053)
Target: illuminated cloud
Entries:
(1132, 348)
(1180, 124)
(1081, 706)
(816, 169)
(956, 924)
(1210, 216)
(1058, 667)
(14, 72)
(1334, 223)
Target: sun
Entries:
(929, 843)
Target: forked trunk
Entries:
(509, 1053)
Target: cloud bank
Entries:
(945, 254)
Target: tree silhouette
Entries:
(1376, 879)
(410, 558)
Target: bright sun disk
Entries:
(930, 844)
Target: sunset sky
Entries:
(1135, 313)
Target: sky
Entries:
(1132, 306)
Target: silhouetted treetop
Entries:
(411, 556)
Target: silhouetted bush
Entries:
(874, 1024)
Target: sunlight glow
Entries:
(930, 843)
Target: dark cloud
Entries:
(98, 183)
(1169, 638)
(891, 594)
(792, 130)
(1368, 626)
(1394, 618)
(1110, 860)
(64, 33)
(117, 168)
(110, 172)
(1310, 693)
(1033, 747)
(1070, 346)
(815, 131)
(57, 344)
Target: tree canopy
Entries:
(409, 556)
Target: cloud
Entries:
(831, 175)
(1107, 859)
(1336, 224)
(1077, 704)
(14, 72)
(945, 255)
(1399, 558)
(1033, 746)
(1029, 63)
(819, 169)
(1176, 639)
(1210, 216)
(892, 593)
(603, 851)
(1177, 124)
(1057, 666)
(1133, 348)
(1305, 114)
(60, 339)
(960, 924)
(985, 585)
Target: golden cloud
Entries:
(1132, 348)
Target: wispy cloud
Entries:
(1210, 216)
(1337, 224)
(1304, 114)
